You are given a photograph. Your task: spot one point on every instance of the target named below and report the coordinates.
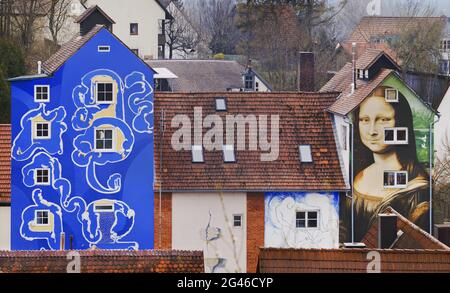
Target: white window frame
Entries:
(36, 218)
(396, 185)
(386, 95)
(36, 176)
(344, 139)
(113, 149)
(366, 74)
(361, 73)
(197, 148)
(35, 128)
(96, 210)
(241, 220)
(36, 91)
(396, 141)
(228, 148)
(104, 48)
(305, 154)
(307, 219)
(96, 93)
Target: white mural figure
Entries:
(282, 229)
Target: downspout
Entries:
(350, 123)
(431, 153)
(162, 130)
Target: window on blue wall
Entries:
(41, 130)
(104, 92)
(41, 93)
(104, 140)
(307, 219)
(41, 218)
(42, 177)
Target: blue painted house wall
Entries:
(96, 199)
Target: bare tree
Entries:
(181, 35)
(24, 19)
(5, 17)
(57, 15)
(441, 179)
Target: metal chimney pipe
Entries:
(39, 67)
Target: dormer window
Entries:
(305, 154)
(366, 74)
(221, 104)
(104, 93)
(228, 154)
(104, 49)
(391, 95)
(197, 154)
(361, 73)
(41, 93)
(249, 82)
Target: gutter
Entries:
(431, 153)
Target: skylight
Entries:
(228, 154)
(221, 104)
(197, 154)
(305, 154)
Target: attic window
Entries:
(104, 49)
(361, 73)
(228, 154)
(305, 154)
(221, 104)
(391, 95)
(366, 74)
(197, 154)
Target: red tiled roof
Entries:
(68, 50)
(412, 238)
(370, 57)
(5, 163)
(348, 102)
(373, 26)
(273, 260)
(89, 11)
(99, 261)
(303, 121)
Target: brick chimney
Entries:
(306, 71)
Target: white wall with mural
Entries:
(5, 228)
(206, 221)
(301, 220)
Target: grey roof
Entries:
(68, 50)
(203, 75)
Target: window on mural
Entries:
(42, 130)
(391, 95)
(41, 217)
(104, 49)
(134, 29)
(41, 93)
(104, 93)
(197, 154)
(42, 176)
(307, 219)
(395, 179)
(104, 208)
(104, 139)
(237, 221)
(396, 136)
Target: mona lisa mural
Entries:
(390, 157)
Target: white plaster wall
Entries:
(5, 228)
(204, 221)
(280, 221)
(442, 129)
(339, 123)
(262, 85)
(146, 13)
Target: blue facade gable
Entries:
(82, 152)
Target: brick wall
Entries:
(255, 228)
(166, 221)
